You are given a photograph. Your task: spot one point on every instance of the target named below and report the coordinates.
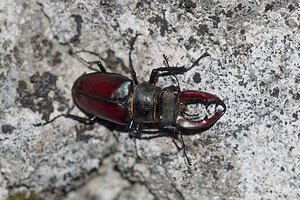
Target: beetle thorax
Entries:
(144, 103)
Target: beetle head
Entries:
(214, 108)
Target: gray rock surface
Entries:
(251, 153)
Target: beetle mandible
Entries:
(123, 101)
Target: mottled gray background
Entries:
(251, 153)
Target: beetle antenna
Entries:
(166, 63)
(204, 55)
(184, 150)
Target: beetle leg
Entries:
(136, 150)
(86, 63)
(152, 137)
(137, 135)
(184, 151)
(90, 120)
(136, 132)
(130, 61)
(154, 134)
(166, 71)
(101, 67)
(159, 134)
(132, 130)
(183, 147)
(204, 55)
(174, 141)
(133, 134)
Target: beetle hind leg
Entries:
(87, 63)
(88, 121)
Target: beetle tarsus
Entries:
(203, 56)
(133, 40)
(48, 122)
(88, 121)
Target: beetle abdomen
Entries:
(104, 95)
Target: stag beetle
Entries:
(118, 99)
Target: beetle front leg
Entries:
(166, 71)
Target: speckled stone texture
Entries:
(251, 153)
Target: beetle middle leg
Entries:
(158, 134)
(136, 133)
(130, 61)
